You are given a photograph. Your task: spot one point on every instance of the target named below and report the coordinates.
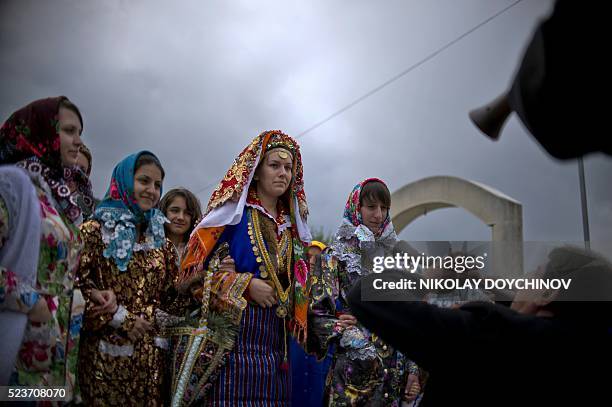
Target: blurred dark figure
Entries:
(543, 351)
(561, 86)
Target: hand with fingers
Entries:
(106, 302)
(346, 320)
(227, 265)
(40, 311)
(262, 293)
(140, 328)
(413, 388)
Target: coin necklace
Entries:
(262, 254)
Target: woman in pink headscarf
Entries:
(364, 369)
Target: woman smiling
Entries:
(40, 244)
(126, 251)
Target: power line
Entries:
(394, 78)
(204, 188)
(405, 71)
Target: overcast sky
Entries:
(195, 81)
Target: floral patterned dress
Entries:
(48, 353)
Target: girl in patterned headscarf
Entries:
(122, 355)
(364, 369)
(245, 264)
(39, 243)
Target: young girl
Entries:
(364, 369)
(183, 210)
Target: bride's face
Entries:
(275, 172)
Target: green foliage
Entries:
(320, 235)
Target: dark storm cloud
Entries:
(195, 81)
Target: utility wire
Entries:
(393, 78)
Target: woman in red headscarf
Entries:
(245, 264)
(40, 192)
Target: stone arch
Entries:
(500, 212)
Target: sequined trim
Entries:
(165, 320)
(357, 345)
(194, 352)
(350, 242)
(162, 343)
(119, 317)
(116, 350)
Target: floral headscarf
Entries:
(119, 214)
(353, 238)
(30, 139)
(352, 209)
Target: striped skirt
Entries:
(251, 375)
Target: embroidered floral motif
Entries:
(49, 350)
(119, 235)
(30, 138)
(365, 370)
(119, 215)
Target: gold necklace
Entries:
(260, 250)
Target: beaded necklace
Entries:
(284, 251)
(283, 260)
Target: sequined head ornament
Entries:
(240, 174)
(226, 205)
(282, 141)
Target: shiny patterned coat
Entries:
(113, 370)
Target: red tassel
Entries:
(284, 366)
